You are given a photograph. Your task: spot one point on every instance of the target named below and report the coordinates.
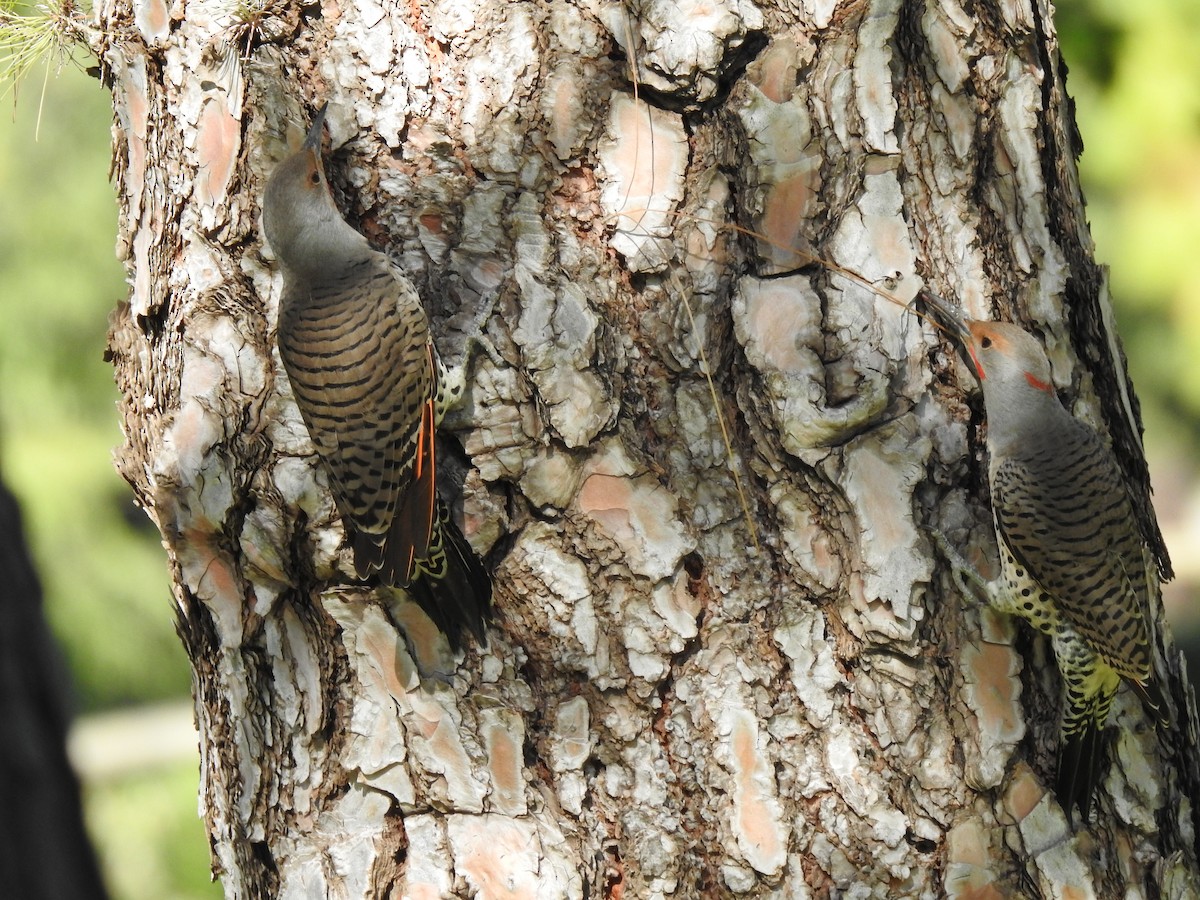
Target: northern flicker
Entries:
(1071, 554)
(356, 345)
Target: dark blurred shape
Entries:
(44, 849)
(1090, 40)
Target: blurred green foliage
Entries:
(150, 838)
(1135, 76)
(58, 422)
(1135, 73)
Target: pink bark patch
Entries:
(1024, 793)
(497, 855)
(133, 93)
(648, 157)
(756, 812)
(995, 690)
(217, 145)
(776, 72)
(378, 642)
(431, 222)
(153, 19)
(790, 204)
(641, 517)
(773, 310)
(644, 162)
(564, 125)
(504, 763)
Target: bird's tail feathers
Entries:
(451, 584)
(1079, 767)
(368, 550)
(1081, 750)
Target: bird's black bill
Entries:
(312, 140)
(950, 318)
(952, 322)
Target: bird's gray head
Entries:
(1012, 368)
(1009, 357)
(1018, 388)
(300, 220)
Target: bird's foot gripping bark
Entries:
(970, 582)
(452, 379)
(474, 337)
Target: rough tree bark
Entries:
(727, 662)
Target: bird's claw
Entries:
(475, 335)
(970, 583)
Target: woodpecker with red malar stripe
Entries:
(356, 345)
(1072, 558)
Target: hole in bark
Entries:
(262, 855)
(920, 844)
(753, 44)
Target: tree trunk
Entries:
(727, 659)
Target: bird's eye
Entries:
(315, 177)
(985, 342)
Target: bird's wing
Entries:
(412, 525)
(1064, 512)
(359, 366)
